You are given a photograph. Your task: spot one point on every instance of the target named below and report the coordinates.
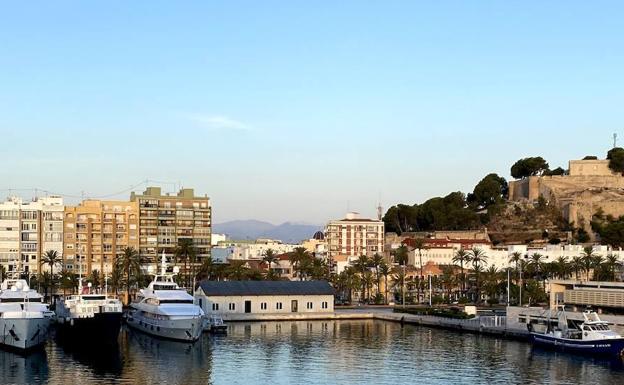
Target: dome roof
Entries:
(318, 236)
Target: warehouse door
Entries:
(247, 306)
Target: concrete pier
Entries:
(489, 325)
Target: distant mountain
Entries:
(288, 232)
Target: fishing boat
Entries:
(24, 318)
(588, 336)
(89, 315)
(163, 309)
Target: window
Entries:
(215, 307)
(278, 306)
(309, 305)
(263, 306)
(232, 306)
(324, 305)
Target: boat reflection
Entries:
(24, 369)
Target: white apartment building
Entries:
(354, 236)
(28, 230)
(256, 250)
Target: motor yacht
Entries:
(24, 318)
(165, 310)
(88, 314)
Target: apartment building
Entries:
(29, 229)
(96, 232)
(354, 236)
(164, 220)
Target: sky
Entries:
(301, 110)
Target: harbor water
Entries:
(308, 352)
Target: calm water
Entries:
(318, 352)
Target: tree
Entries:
(384, 269)
(376, 261)
(94, 278)
(557, 171)
(419, 245)
(529, 167)
(536, 263)
(462, 256)
(269, 258)
(129, 265)
(186, 252)
(69, 281)
(478, 259)
(588, 257)
(492, 189)
(616, 159)
(576, 264)
(51, 258)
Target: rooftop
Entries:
(240, 288)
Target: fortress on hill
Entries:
(590, 185)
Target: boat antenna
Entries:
(163, 263)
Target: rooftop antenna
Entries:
(379, 208)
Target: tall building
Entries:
(96, 232)
(354, 236)
(165, 220)
(28, 230)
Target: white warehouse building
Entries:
(239, 300)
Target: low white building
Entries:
(242, 299)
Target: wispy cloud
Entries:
(218, 122)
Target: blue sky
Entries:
(299, 110)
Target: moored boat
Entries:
(590, 336)
(91, 315)
(163, 309)
(24, 318)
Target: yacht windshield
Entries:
(20, 300)
(162, 301)
(164, 287)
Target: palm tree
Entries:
(270, 257)
(51, 258)
(461, 256)
(129, 265)
(491, 282)
(368, 280)
(398, 279)
(537, 265)
(384, 270)
(419, 245)
(562, 267)
(299, 261)
(612, 263)
(576, 264)
(69, 281)
(588, 256)
(478, 259)
(376, 262)
(186, 252)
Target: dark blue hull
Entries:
(611, 347)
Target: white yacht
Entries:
(24, 318)
(165, 310)
(87, 314)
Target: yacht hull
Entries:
(604, 347)
(187, 329)
(23, 333)
(102, 326)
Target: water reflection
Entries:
(309, 352)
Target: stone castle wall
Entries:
(578, 196)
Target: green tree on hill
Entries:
(616, 159)
(529, 167)
(490, 190)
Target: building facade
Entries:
(354, 236)
(164, 220)
(234, 300)
(28, 230)
(96, 232)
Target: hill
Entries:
(288, 232)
